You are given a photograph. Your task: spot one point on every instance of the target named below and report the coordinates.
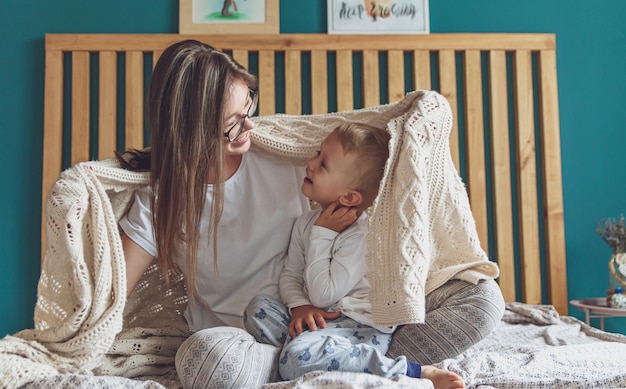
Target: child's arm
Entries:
(309, 317)
(291, 283)
(292, 290)
(335, 263)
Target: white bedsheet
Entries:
(531, 348)
(564, 354)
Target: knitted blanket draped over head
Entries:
(422, 234)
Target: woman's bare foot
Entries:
(442, 379)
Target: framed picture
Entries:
(228, 17)
(378, 17)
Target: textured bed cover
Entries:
(533, 347)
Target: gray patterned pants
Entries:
(458, 315)
(344, 345)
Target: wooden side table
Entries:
(597, 308)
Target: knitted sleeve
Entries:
(422, 231)
(82, 287)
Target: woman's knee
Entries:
(225, 357)
(484, 298)
(491, 292)
(487, 300)
(458, 315)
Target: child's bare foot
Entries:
(442, 379)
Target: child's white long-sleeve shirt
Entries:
(328, 270)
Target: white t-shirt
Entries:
(261, 202)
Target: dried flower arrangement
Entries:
(613, 233)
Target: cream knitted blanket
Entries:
(422, 234)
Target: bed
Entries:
(502, 90)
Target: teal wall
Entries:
(591, 55)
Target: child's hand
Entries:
(309, 316)
(337, 218)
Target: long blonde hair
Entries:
(186, 108)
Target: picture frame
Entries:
(378, 17)
(228, 17)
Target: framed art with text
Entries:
(378, 17)
(228, 17)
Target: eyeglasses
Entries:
(233, 133)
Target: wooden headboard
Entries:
(502, 89)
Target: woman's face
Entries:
(237, 110)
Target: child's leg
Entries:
(344, 345)
(267, 320)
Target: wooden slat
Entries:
(447, 87)
(293, 84)
(52, 131)
(527, 173)
(241, 56)
(267, 83)
(80, 107)
(134, 110)
(305, 42)
(501, 175)
(319, 82)
(345, 83)
(552, 188)
(371, 76)
(107, 104)
(156, 54)
(395, 76)
(475, 149)
(421, 70)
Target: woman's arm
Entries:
(137, 261)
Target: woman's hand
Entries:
(336, 217)
(309, 316)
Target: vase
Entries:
(617, 275)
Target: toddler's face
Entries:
(329, 173)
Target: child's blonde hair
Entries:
(371, 144)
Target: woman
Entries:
(222, 214)
(206, 187)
